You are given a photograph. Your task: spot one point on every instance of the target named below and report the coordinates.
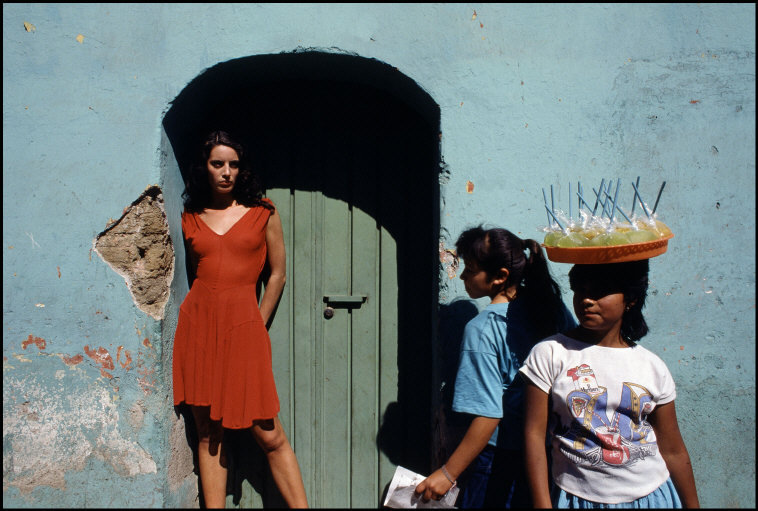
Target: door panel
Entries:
(329, 372)
(359, 213)
(334, 337)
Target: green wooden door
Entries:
(355, 183)
(335, 374)
(332, 368)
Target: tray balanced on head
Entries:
(599, 237)
(608, 254)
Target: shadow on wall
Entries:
(452, 426)
(290, 109)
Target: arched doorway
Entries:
(348, 149)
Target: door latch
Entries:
(342, 302)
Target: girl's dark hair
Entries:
(247, 189)
(629, 278)
(497, 248)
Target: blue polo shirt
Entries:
(495, 344)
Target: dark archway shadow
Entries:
(300, 104)
(451, 425)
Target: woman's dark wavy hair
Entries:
(497, 248)
(629, 278)
(248, 190)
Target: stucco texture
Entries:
(529, 95)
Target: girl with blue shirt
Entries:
(525, 307)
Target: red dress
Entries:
(222, 351)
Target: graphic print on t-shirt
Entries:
(624, 438)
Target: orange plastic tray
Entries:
(609, 254)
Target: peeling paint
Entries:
(101, 357)
(51, 434)
(72, 361)
(137, 415)
(147, 379)
(449, 259)
(29, 27)
(469, 187)
(80, 38)
(38, 341)
(127, 358)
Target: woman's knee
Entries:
(269, 435)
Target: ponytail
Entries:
(541, 294)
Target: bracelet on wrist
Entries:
(447, 475)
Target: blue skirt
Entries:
(665, 496)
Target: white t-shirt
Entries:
(603, 448)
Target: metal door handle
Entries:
(342, 302)
(345, 301)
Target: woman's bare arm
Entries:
(277, 262)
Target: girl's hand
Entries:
(434, 487)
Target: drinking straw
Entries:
(608, 200)
(597, 196)
(602, 203)
(581, 200)
(621, 211)
(659, 197)
(639, 196)
(544, 197)
(615, 197)
(556, 220)
(579, 193)
(634, 199)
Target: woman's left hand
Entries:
(434, 487)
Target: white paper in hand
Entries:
(401, 493)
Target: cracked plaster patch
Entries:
(138, 247)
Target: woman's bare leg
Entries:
(281, 458)
(212, 472)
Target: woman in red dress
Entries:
(222, 351)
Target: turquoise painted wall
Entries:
(530, 95)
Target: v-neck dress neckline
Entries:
(230, 228)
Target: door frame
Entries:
(196, 107)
